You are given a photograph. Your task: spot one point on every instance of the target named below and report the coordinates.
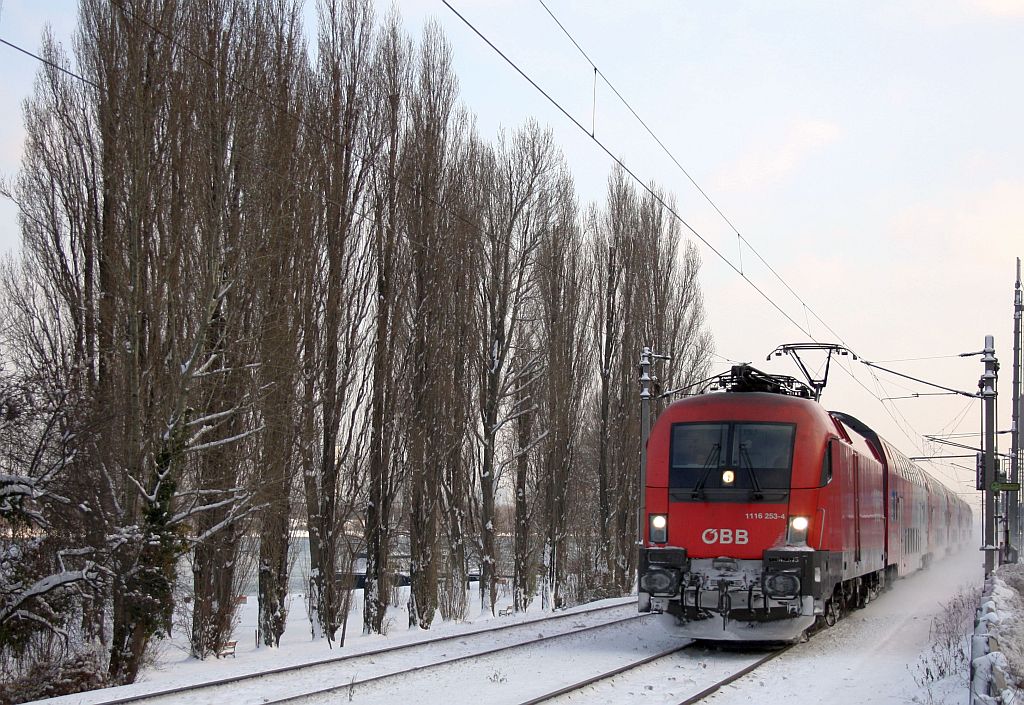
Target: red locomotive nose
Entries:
(712, 530)
(724, 479)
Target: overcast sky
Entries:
(871, 152)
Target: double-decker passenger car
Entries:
(765, 512)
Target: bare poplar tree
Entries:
(563, 273)
(146, 293)
(613, 252)
(521, 170)
(282, 250)
(455, 414)
(385, 469)
(341, 95)
(211, 103)
(524, 568)
(646, 298)
(430, 195)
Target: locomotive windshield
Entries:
(730, 462)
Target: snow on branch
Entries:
(225, 370)
(239, 497)
(44, 586)
(520, 453)
(217, 416)
(238, 511)
(15, 489)
(224, 441)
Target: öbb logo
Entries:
(736, 536)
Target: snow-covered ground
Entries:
(174, 667)
(872, 656)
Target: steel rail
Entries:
(643, 662)
(604, 676)
(243, 677)
(734, 677)
(351, 685)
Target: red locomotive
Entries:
(765, 512)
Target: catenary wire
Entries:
(49, 63)
(728, 262)
(686, 173)
(711, 202)
(624, 167)
(629, 107)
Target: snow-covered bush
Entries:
(47, 575)
(949, 650)
(49, 670)
(1002, 616)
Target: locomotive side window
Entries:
(826, 465)
(731, 461)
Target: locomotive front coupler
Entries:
(724, 601)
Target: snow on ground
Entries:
(512, 677)
(873, 655)
(173, 666)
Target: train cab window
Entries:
(731, 461)
(696, 447)
(765, 449)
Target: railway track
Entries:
(707, 673)
(304, 682)
(713, 688)
(545, 661)
(352, 688)
(585, 689)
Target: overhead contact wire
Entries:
(681, 168)
(629, 171)
(622, 164)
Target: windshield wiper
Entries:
(709, 465)
(755, 491)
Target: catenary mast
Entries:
(1013, 498)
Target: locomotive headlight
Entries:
(798, 529)
(728, 477)
(659, 528)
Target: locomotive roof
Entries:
(759, 402)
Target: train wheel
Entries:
(831, 613)
(876, 585)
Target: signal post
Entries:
(647, 358)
